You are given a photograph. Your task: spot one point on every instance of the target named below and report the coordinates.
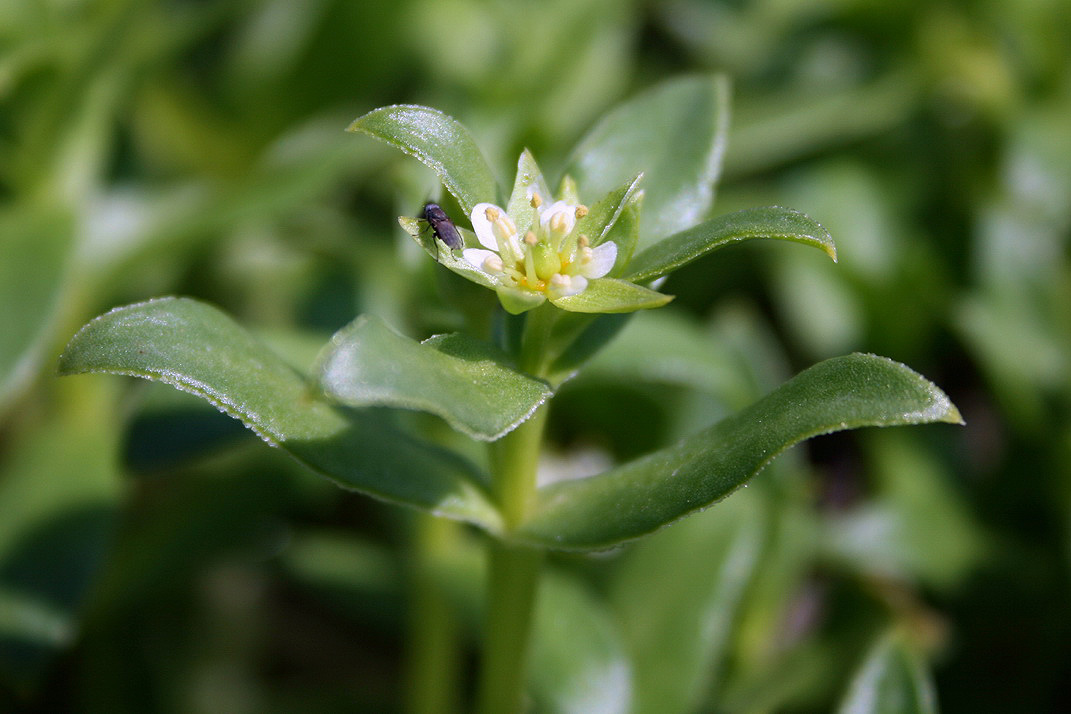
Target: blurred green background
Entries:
(154, 556)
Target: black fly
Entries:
(442, 226)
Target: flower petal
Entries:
(602, 260)
(565, 285)
(550, 215)
(485, 233)
(477, 257)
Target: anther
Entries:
(581, 211)
(530, 238)
(536, 200)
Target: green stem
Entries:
(538, 323)
(513, 580)
(433, 663)
(513, 570)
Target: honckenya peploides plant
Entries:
(556, 266)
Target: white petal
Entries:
(484, 232)
(602, 260)
(567, 211)
(565, 285)
(477, 256)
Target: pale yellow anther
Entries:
(581, 211)
(492, 213)
(536, 200)
(583, 241)
(558, 224)
(530, 238)
(492, 264)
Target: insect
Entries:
(442, 226)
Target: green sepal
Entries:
(603, 216)
(520, 207)
(450, 259)
(516, 301)
(612, 295)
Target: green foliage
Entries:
(640, 496)
(465, 381)
(154, 556)
(198, 349)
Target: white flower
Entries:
(551, 259)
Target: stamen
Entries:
(492, 264)
(581, 211)
(492, 213)
(557, 223)
(536, 201)
(583, 241)
(530, 238)
(529, 265)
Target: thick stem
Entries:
(513, 570)
(538, 324)
(513, 579)
(433, 674)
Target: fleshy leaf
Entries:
(891, 681)
(34, 248)
(675, 133)
(610, 295)
(441, 143)
(578, 662)
(678, 596)
(460, 379)
(60, 493)
(641, 496)
(199, 349)
(770, 222)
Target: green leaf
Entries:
(441, 143)
(197, 348)
(578, 661)
(34, 251)
(612, 295)
(644, 495)
(675, 135)
(460, 379)
(770, 222)
(665, 347)
(60, 492)
(891, 681)
(678, 596)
